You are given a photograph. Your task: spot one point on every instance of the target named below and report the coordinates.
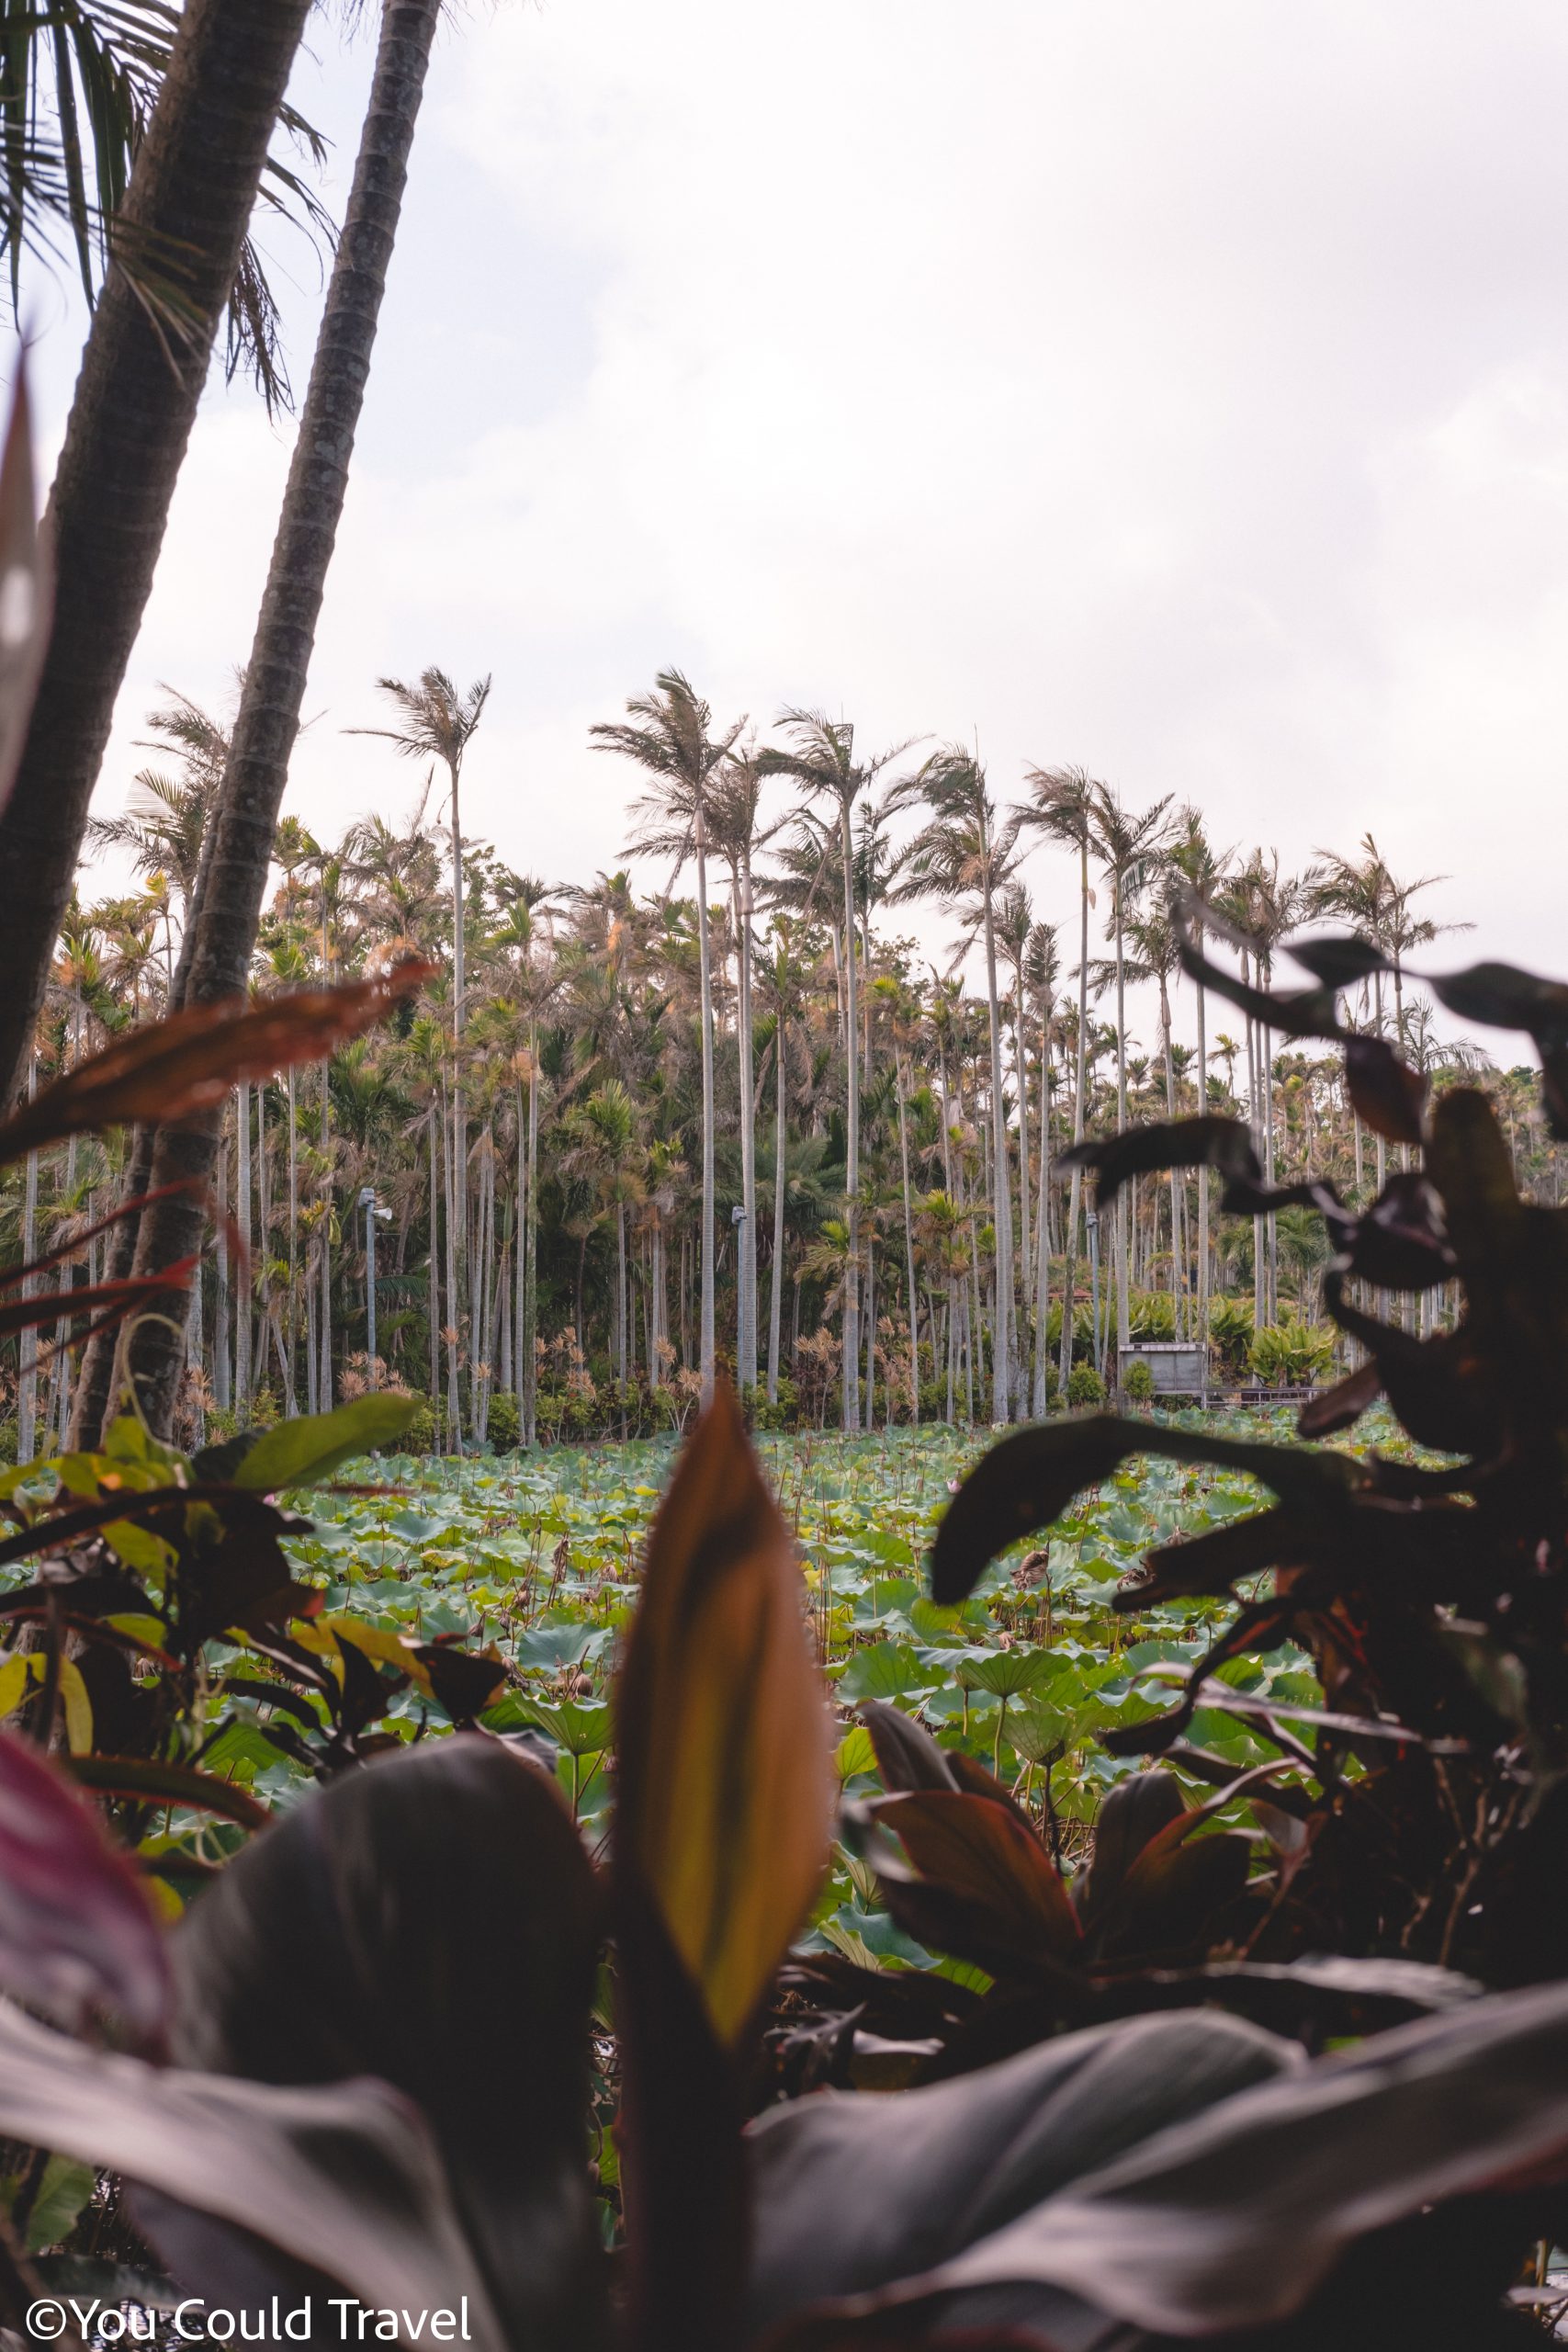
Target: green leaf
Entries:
(304, 1452)
(887, 1670)
(65, 2187)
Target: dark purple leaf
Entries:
(1386, 1094)
(431, 1919)
(344, 2178)
(78, 1937)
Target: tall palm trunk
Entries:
(1070, 1277)
(191, 192)
(908, 1248)
(433, 1308)
(707, 1338)
(245, 1274)
(1203, 1186)
(1123, 1316)
(746, 1361)
(1024, 1258)
(1043, 1230)
(781, 1108)
(454, 1336)
(527, 1321)
(852, 1136)
(1002, 1180)
(1176, 1260)
(26, 1372)
(222, 1389)
(274, 688)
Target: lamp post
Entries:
(373, 1212)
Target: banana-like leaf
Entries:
(725, 1789)
(857, 2194)
(345, 2179)
(1236, 2219)
(727, 1783)
(173, 1067)
(78, 1937)
(433, 1920)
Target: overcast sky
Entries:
(1175, 387)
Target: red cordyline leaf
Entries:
(182, 1064)
(120, 1298)
(11, 1275)
(78, 1936)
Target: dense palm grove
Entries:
(622, 1138)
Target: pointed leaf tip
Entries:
(726, 1780)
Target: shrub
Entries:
(1085, 1387)
(1139, 1385)
(1230, 1332)
(1292, 1355)
(505, 1421)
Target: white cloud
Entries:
(1179, 390)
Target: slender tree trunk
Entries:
(851, 1400)
(1025, 1308)
(27, 1351)
(908, 1251)
(190, 196)
(781, 1141)
(292, 1334)
(275, 675)
(245, 1271)
(222, 1387)
(528, 1321)
(454, 1332)
(746, 1365)
(706, 970)
(264, 1244)
(1043, 1231)
(1204, 1184)
(1123, 1316)
(1001, 1340)
(1070, 1273)
(433, 1308)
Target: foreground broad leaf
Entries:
(173, 1067)
(1236, 2219)
(433, 1920)
(856, 2194)
(725, 1789)
(726, 1780)
(78, 1937)
(301, 1453)
(345, 2180)
(1027, 1480)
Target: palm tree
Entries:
(963, 858)
(1128, 848)
(1061, 806)
(669, 735)
(733, 803)
(273, 692)
(437, 722)
(819, 755)
(1200, 873)
(189, 198)
(1040, 972)
(1014, 920)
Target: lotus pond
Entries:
(537, 1557)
